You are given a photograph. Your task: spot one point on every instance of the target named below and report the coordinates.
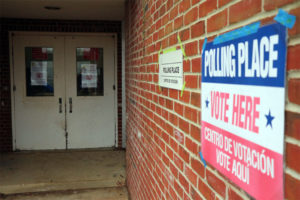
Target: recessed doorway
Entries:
(64, 91)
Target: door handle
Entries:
(70, 105)
(60, 105)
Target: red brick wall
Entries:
(7, 25)
(163, 129)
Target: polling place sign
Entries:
(243, 98)
(171, 70)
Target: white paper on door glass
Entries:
(38, 73)
(89, 75)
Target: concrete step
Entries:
(62, 186)
(111, 193)
(60, 171)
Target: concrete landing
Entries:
(115, 193)
(28, 172)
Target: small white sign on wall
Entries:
(171, 70)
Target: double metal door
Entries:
(63, 91)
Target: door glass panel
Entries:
(39, 71)
(89, 63)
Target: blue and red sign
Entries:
(243, 98)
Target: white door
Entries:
(39, 87)
(90, 92)
(64, 95)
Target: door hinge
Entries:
(114, 87)
(14, 88)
